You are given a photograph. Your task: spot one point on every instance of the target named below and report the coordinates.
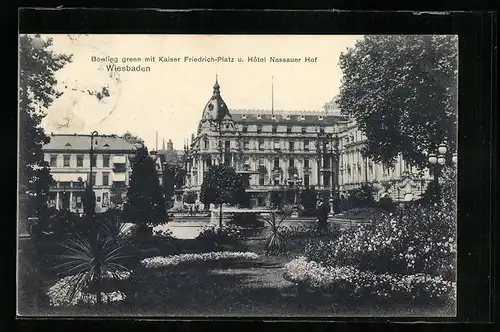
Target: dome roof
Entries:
(216, 109)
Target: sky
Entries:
(169, 99)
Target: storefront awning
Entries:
(118, 177)
(70, 177)
(119, 160)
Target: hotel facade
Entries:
(291, 150)
(70, 161)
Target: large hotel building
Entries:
(292, 149)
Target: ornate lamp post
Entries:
(92, 134)
(437, 161)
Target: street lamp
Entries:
(297, 183)
(92, 134)
(437, 161)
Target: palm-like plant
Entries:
(276, 242)
(89, 260)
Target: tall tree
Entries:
(402, 91)
(38, 66)
(145, 203)
(220, 185)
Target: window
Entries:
(302, 118)
(261, 179)
(105, 179)
(276, 182)
(93, 178)
(273, 117)
(306, 163)
(94, 160)
(288, 129)
(243, 116)
(227, 145)
(306, 180)
(275, 129)
(326, 179)
(287, 117)
(291, 146)
(244, 129)
(259, 129)
(246, 144)
(53, 161)
(322, 130)
(105, 160)
(291, 162)
(259, 116)
(205, 144)
(261, 144)
(105, 199)
(66, 160)
(303, 130)
(276, 162)
(261, 161)
(79, 160)
(306, 145)
(320, 117)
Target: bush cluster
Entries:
(227, 234)
(414, 245)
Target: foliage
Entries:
(362, 196)
(132, 139)
(276, 242)
(220, 185)
(37, 69)
(89, 202)
(276, 199)
(168, 182)
(145, 202)
(416, 239)
(402, 91)
(88, 260)
(308, 198)
(386, 204)
(243, 198)
(294, 232)
(190, 197)
(247, 220)
(155, 262)
(217, 236)
(352, 282)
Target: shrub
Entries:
(229, 234)
(362, 196)
(386, 204)
(417, 239)
(276, 242)
(349, 280)
(247, 220)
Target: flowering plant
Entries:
(159, 261)
(58, 293)
(359, 283)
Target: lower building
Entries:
(77, 159)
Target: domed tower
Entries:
(216, 113)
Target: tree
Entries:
(168, 182)
(220, 185)
(89, 202)
(132, 139)
(276, 199)
(145, 203)
(402, 91)
(190, 197)
(308, 198)
(243, 198)
(362, 196)
(38, 65)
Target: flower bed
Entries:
(356, 283)
(159, 261)
(60, 291)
